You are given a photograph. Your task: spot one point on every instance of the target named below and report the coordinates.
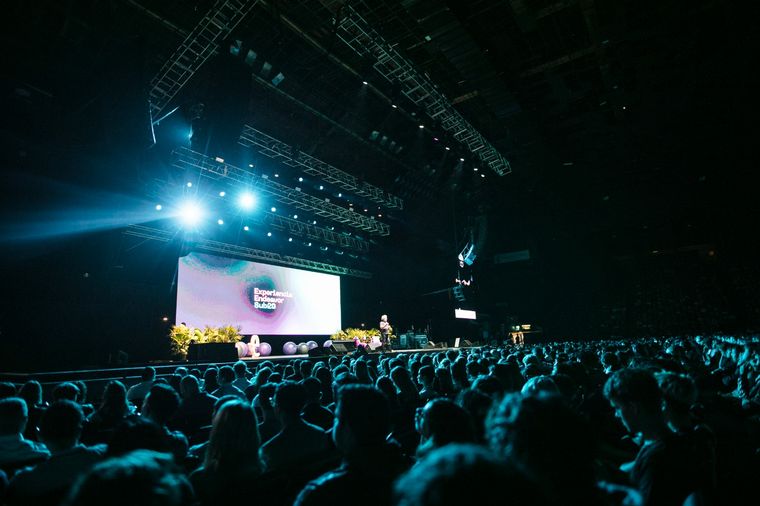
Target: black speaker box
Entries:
(212, 352)
(342, 347)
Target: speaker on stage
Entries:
(342, 347)
(467, 343)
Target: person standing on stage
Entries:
(385, 332)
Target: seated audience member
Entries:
(112, 411)
(50, 481)
(370, 463)
(663, 472)
(198, 451)
(441, 422)
(195, 409)
(464, 474)
(160, 406)
(477, 404)
(210, 379)
(313, 412)
(232, 456)
(549, 443)
(138, 433)
(426, 378)
(65, 391)
(241, 381)
(138, 392)
(269, 425)
(87, 408)
(325, 377)
(538, 384)
(15, 450)
(7, 390)
(341, 379)
(141, 477)
(299, 442)
(225, 377)
(31, 392)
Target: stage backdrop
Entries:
(260, 298)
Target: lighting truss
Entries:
(209, 167)
(157, 234)
(271, 147)
(309, 231)
(356, 33)
(197, 47)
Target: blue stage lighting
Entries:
(222, 194)
(247, 201)
(190, 213)
(220, 221)
(269, 234)
(159, 207)
(274, 209)
(246, 228)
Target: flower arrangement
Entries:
(363, 336)
(182, 336)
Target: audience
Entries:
(647, 421)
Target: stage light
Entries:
(274, 209)
(250, 165)
(246, 201)
(190, 213)
(219, 159)
(269, 234)
(482, 175)
(309, 244)
(246, 228)
(379, 215)
(475, 169)
(220, 221)
(295, 216)
(435, 139)
(276, 175)
(290, 239)
(314, 222)
(323, 248)
(222, 194)
(365, 83)
(321, 187)
(159, 207)
(461, 159)
(422, 126)
(189, 184)
(448, 148)
(165, 318)
(300, 180)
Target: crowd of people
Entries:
(655, 421)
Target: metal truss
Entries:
(197, 47)
(211, 168)
(356, 33)
(309, 231)
(271, 147)
(241, 251)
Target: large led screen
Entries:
(260, 298)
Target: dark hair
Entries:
(234, 441)
(148, 374)
(13, 415)
(31, 392)
(161, 403)
(313, 388)
(135, 433)
(446, 422)
(266, 392)
(290, 397)
(141, 477)
(365, 410)
(114, 402)
(7, 390)
(226, 374)
(427, 372)
(463, 474)
(62, 421)
(240, 368)
(637, 386)
(66, 390)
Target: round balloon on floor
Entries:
(242, 349)
(303, 348)
(289, 348)
(265, 349)
(312, 344)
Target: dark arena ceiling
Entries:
(627, 126)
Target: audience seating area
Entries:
(654, 421)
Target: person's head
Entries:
(226, 375)
(66, 391)
(289, 400)
(221, 401)
(13, 416)
(384, 318)
(115, 397)
(547, 440)
(61, 425)
(540, 384)
(7, 390)
(362, 418)
(442, 421)
(477, 404)
(140, 477)
(426, 376)
(210, 381)
(82, 397)
(136, 432)
(635, 397)
(266, 396)
(189, 386)
(313, 390)
(402, 378)
(679, 394)
(463, 474)
(341, 380)
(161, 403)
(234, 441)
(240, 368)
(610, 362)
(31, 392)
(181, 371)
(148, 374)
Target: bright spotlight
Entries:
(309, 244)
(276, 175)
(222, 194)
(422, 126)
(269, 234)
(290, 239)
(300, 180)
(190, 213)
(448, 148)
(364, 83)
(247, 201)
(340, 195)
(159, 207)
(321, 187)
(246, 228)
(220, 221)
(189, 184)
(274, 209)
(394, 106)
(250, 165)
(461, 159)
(295, 216)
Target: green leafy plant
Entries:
(353, 334)
(182, 336)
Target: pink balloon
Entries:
(265, 349)
(289, 348)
